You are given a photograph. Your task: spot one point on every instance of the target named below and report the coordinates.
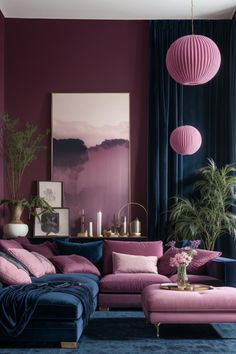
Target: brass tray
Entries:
(189, 287)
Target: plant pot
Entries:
(16, 227)
(15, 230)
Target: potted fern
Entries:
(19, 147)
(208, 215)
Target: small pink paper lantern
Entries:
(193, 60)
(185, 140)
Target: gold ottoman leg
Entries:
(158, 329)
(69, 345)
(103, 308)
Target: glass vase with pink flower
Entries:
(181, 260)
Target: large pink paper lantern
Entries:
(185, 140)
(193, 60)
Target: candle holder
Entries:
(135, 225)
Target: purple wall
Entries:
(2, 29)
(44, 56)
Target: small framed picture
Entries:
(52, 224)
(52, 192)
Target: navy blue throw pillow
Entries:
(90, 250)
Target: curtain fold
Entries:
(211, 108)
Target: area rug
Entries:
(127, 332)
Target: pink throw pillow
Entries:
(48, 266)
(136, 248)
(22, 241)
(197, 266)
(74, 264)
(29, 260)
(164, 262)
(11, 275)
(6, 244)
(46, 248)
(127, 263)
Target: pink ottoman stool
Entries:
(169, 306)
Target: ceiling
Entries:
(117, 9)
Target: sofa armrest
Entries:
(223, 269)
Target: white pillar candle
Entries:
(99, 223)
(91, 228)
(125, 226)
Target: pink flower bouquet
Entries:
(185, 254)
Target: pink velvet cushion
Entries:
(47, 265)
(6, 244)
(46, 249)
(130, 283)
(197, 265)
(11, 275)
(74, 264)
(126, 263)
(153, 248)
(29, 260)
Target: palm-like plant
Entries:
(209, 215)
(19, 147)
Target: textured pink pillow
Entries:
(46, 249)
(149, 248)
(197, 266)
(127, 263)
(11, 275)
(22, 241)
(48, 266)
(164, 267)
(6, 244)
(74, 264)
(29, 260)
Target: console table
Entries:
(39, 239)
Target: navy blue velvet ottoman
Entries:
(58, 317)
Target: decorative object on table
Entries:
(189, 287)
(82, 222)
(124, 226)
(208, 215)
(19, 147)
(99, 224)
(135, 225)
(185, 140)
(90, 229)
(52, 224)
(181, 260)
(91, 156)
(52, 192)
(83, 232)
(108, 233)
(193, 59)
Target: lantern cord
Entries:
(192, 16)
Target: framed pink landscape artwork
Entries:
(91, 154)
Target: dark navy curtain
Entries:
(210, 108)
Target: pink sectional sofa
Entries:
(124, 289)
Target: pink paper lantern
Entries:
(185, 140)
(193, 60)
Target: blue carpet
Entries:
(126, 332)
